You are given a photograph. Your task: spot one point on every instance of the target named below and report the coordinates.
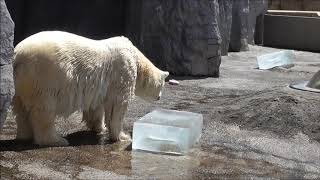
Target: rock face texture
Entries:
(188, 37)
(240, 26)
(225, 22)
(181, 36)
(247, 22)
(6, 55)
(256, 20)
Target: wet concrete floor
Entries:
(254, 127)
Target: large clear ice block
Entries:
(167, 131)
(271, 60)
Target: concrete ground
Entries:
(254, 127)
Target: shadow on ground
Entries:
(80, 138)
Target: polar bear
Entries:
(58, 73)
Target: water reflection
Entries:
(162, 166)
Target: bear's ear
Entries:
(165, 74)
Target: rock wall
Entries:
(247, 17)
(181, 36)
(6, 55)
(188, 37)
(225, 24)
(257, 9)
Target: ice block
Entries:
(167, 131)
(271, 60)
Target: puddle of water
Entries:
(162, 166)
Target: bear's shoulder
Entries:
(118, 41)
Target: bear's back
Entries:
(61, 48)
(55, 37)
(55, 41)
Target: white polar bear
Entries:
(57, 73)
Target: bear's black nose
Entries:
(158, 98)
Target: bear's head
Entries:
(150, 83)
(150, 79)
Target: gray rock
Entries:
(6, 90)
(181, 36)
(225, 22)
(244, 18)
(188, 37)
(7, 34)
(255, 30)
(239, 29)
(315, 81)
(6, 55)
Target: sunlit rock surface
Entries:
(6, 55)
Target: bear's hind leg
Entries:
(44, 131)
(24, 130)
(94, 119)
(116, 122)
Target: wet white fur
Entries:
(57, 73)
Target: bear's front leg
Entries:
(94, 119)
(115, 123)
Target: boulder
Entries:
(6, 55)
(256, 20)
(181, 36)
(244, 17)
(239, 29)
(225, 22)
